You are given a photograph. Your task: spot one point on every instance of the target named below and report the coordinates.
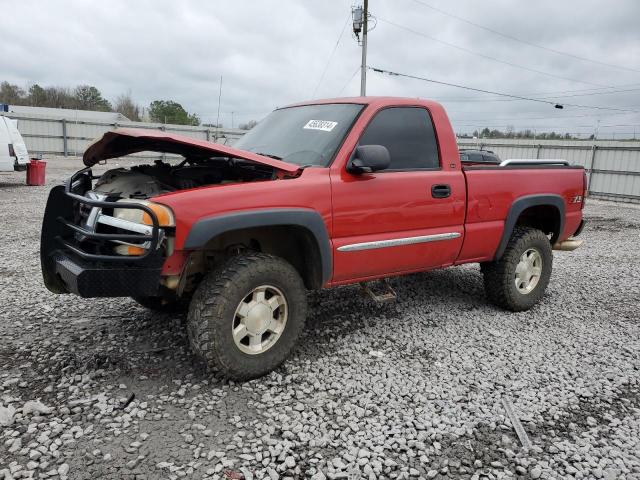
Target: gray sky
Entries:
(271, 53)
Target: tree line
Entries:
(88, 97)
(510, 132)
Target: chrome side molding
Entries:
(396, 242)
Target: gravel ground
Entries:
(415, 389)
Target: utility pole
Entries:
(360, 26)
(363, 71)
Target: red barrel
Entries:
(36, 172)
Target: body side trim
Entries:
(396, 242)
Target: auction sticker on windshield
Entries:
(324, 125)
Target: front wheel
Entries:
(246, 316)
(519, 279)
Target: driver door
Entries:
(408, 217)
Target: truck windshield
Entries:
(308, 135)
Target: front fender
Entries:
(208, 228)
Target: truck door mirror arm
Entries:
(369, 159)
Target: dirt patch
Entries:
(609, 224)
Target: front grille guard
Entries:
(85, 175)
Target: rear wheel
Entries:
(246, 316)
(519, 279)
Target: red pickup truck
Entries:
(317, 195)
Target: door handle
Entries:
(440, 191)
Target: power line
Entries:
(540, 128)
(526, 42)
(615, 89)
(491, 112)
(517, 119)
(519, 97)
(488, 57)
(635, 84)
(593, 93)
(555, 117)
(622, 125)
(349, 81)
(335, 47)
(533, 95)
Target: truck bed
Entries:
(492, 190)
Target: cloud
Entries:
(271, 53)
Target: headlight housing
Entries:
(163, 213)
(139, 217)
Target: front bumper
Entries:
(91, 280)
(79, 260)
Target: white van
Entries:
(13, 151)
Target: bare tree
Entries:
(58, 97)
(125, 105)
(11, 94)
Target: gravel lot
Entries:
(409, 390)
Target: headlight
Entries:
(163, 213)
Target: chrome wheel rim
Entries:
(260, 319)
(528, 271)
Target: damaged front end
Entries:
(106, 237)
(98, 246)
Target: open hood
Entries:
(125, 141)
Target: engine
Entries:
(145, 181)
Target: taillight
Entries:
(12, 152)
(585, 187)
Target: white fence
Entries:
(613, 167)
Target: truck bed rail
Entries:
(532, 162)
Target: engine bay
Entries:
(145, 181)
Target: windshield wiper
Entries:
(275, 157)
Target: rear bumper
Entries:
(570, 244)
(580, 227)
(88, 279)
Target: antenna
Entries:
(218, 116)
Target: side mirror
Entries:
(368, 159)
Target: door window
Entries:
(408, 134)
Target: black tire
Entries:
(159, 304)
(212, 314)
(499, 276)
